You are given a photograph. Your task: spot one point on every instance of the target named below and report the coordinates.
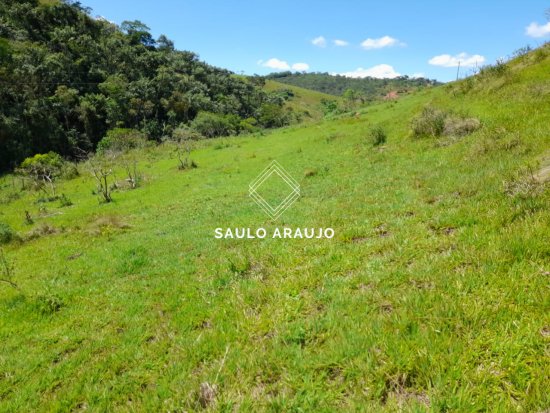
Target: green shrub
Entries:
(121, 140)
(69, 171)
(249, 125)
(48, 304)
(272, 115)
(309, 173)
(211, 125)
(6, 233)
(43, 168)
(330, 107)
(498, 69)
(377, 135)
(433, 123)
(430, 123)
(64, 201)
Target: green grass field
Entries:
(433, 294)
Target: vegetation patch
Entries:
(433, 122)
(107, 224)
(6, 233)
(377, 135)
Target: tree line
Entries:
(368, 88)
(66, 79)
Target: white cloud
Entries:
(380, 43)
(340, 43)
(275, 63)
(319, 41)
(418, 75)
(300, 67)
(536, 30)
(382, 71)
(464, 59)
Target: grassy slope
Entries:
(433, 292)
(304, 101)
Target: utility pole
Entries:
(458, 70)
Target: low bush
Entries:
(434, 123)
(460, 126)
(48, 304)
(211, 125)
(272, 115)
(500, 68)
(430, 123)
(377, 135)
(43, 170)
(308, 173)
(6, 233)
(121, 140)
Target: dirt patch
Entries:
(405, 397)
(543, 175)
(41, 231)
(382, 231)
(107, 223)
(207, 394)
(359, 239)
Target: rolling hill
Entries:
(431, 296)
(306, 102)
(372, 89)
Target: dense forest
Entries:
(370, 88)
(67, 78)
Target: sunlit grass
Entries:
(432, 295)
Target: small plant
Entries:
(239, 265)
(430, 123)
(377, 135)
(64, 201)
(498, 69)
(101, 171)
(185, 138)
(309, 173)
(28, 218)
(48, 304)
(6, 233)
(522, 51)
(6, 271)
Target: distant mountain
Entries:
(336, 85)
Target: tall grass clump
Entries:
(6, 233)
(377, 135)
(434, 123)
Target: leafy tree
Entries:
(138, 32)
(43, 170)
(210, 124)
(117, 146)
(272, 115)
(120, 141)
(184, 137)
(164, 43)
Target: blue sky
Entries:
(383, 38)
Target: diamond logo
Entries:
(275, 174)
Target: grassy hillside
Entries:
(432, 296)
(305, 101)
